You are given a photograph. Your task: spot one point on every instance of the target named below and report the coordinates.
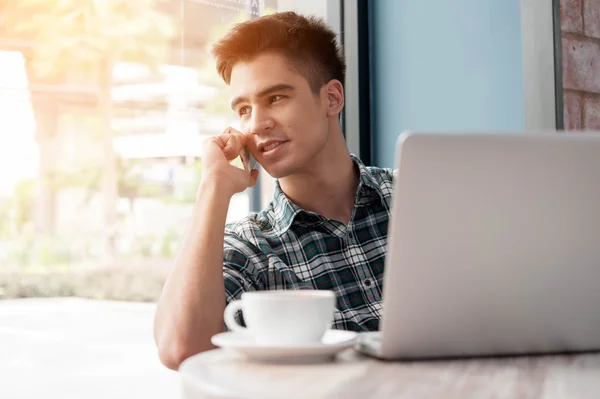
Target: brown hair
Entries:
(307, 42)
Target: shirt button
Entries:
(351, 235)
(368, 282)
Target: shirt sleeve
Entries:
(243, 266)
(236, 284)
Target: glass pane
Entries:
(104, 106)
(109, 104)
(438, 67)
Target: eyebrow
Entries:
(263, 93)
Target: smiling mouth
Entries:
(272, 146)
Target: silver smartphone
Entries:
(247, 159)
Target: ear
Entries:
(335, 97)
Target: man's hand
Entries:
(216, 168)
(190, 309)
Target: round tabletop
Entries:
(224, 374)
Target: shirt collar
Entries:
(285, 211)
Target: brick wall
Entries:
(580, 28)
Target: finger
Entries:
(231, 130)
(241, 174)
(231, 144)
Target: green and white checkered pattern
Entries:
(285, 247)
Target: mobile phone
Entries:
(247, 159)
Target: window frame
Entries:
(356, 38)
(542, 65)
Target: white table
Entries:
(221, 374)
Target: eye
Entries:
(243, 111)
(276, 98)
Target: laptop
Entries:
(493, 247)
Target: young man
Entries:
(326, 227)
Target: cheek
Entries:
(305, 123)
(312, 136)
(306, 118)
(245, 126)
(245, 130)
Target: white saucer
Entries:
(333, 342)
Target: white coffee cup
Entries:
(283, 317)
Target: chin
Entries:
(279, 169)
(276, 173)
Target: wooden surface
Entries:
(221, 374)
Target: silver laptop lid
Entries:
(494, 245)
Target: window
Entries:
(108, 105)
(103, 162)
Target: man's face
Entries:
(286, 122)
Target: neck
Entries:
(328, 185)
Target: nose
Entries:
(261, 121)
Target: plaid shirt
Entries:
(286, 247)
